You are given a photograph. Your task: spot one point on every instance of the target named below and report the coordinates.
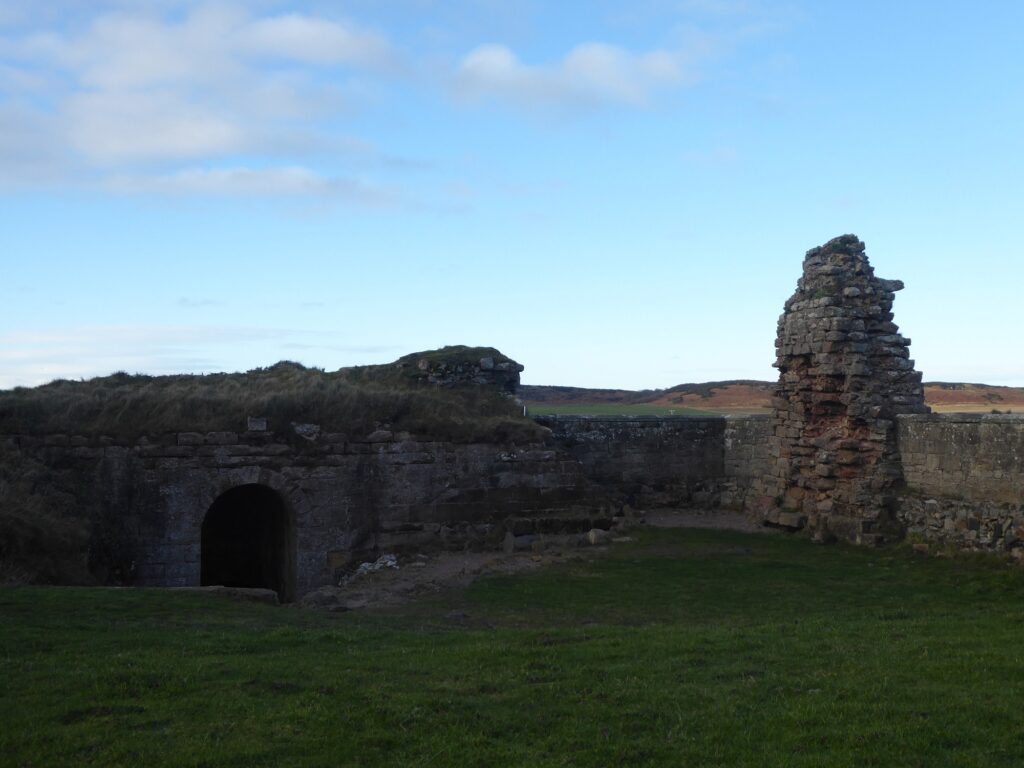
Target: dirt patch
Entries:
(420, 575)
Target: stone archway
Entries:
(248, 541)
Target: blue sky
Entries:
(615, 194)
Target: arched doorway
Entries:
(247, 541)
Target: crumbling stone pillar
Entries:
(844, 374)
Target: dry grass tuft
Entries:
(355, 401)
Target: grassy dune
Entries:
(351, 400)
(685, 648)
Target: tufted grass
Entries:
(355, 401)
(687, 648)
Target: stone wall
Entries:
(349, 499)
(666, 461)
(964, 479)
(747, 460)
(346, 498)
(646, 461)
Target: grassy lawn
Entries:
(686, 648)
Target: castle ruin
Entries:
(849, 452)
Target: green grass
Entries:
(687, 648)
(612, 409)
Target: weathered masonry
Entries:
(849, 451)
(291, 510)
(844, 375)
(853, 452)
(964, 481)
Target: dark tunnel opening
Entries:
(247, 541)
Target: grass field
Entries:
(686, 648)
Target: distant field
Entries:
(974, 408)
(683, 648)
(742, 397)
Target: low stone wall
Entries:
(666, 461)
(347, 498)
(747, 459)
(964, 478)
(146, 502)
(646, 461)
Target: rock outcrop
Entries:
(844, 375)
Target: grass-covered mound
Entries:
(687, 648)
(43, 538)
(355, 401)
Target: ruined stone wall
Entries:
(844, 375)
(964, 479)
(346, 497)
(962, 485)
(667, 461)
(646, 461)
(746, 459)
(349, 498)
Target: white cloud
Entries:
(303, 38)
(109, 127)
(29, 358)
(591, 74)
(122, 51)
(211, 43)
(19, 79)
(292, 181)
(30, 150)
(162, 84)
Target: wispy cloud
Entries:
(256, 182)
(186, 303)
(29, 358)
(303, 38)
(589, 75)
(184, 95)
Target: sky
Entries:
(615, 194)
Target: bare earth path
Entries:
(424, 574)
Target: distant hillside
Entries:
(740, 396)
(745, 396)
(945, 397)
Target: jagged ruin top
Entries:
(839, 264)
